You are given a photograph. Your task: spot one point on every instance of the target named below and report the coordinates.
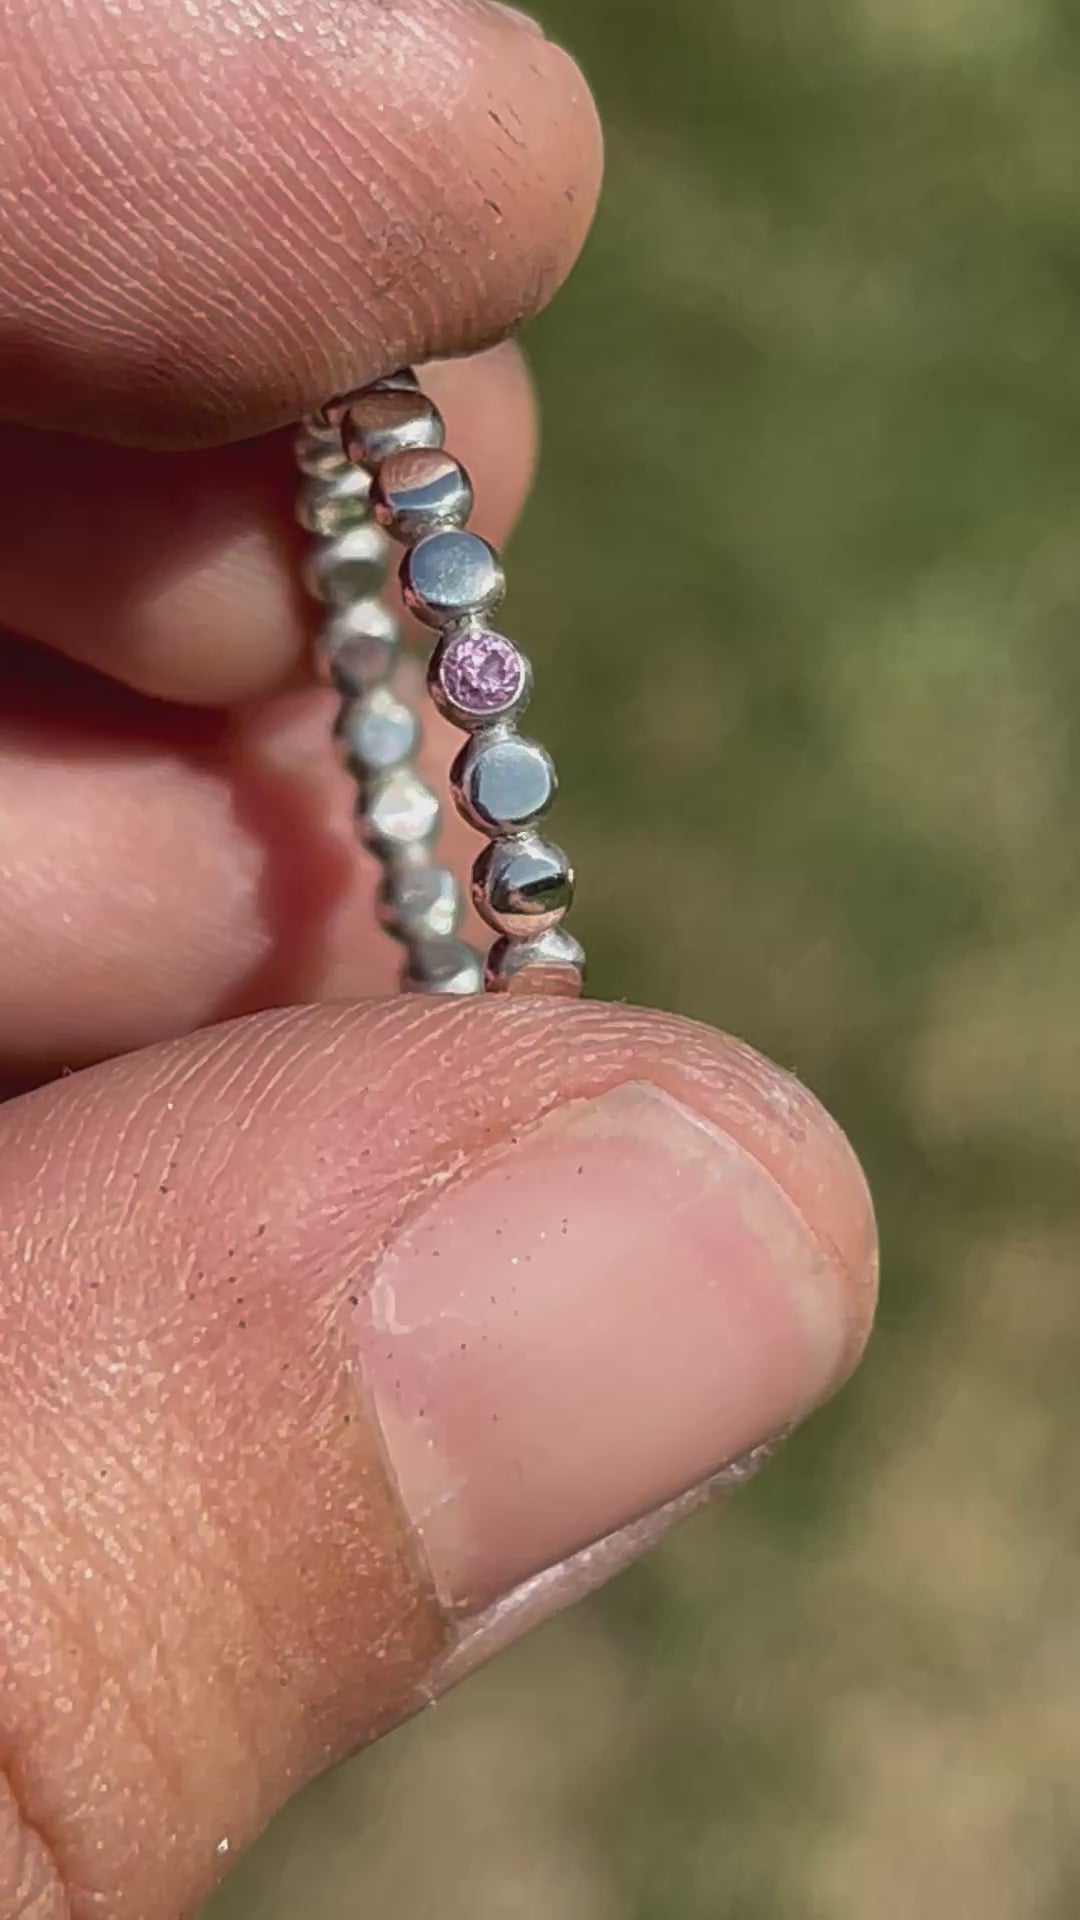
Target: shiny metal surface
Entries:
(445, 966)
(448, 577)
(502, 783)
(399, 811)
(331, 502)
(522, 885)
(376, 733)
(357, 646)
(351, 566)
(420, 901)
(386, 420)
(421, 491)
(551, 966)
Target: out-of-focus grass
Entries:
(802, 580)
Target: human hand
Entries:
(334, 1336)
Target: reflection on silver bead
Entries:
(330, 503)
(328, 417)
(401, 811)
(331, 414)
(551, 966)
(444, 966)
(522, 885)
(376, 733)
(403, 381)
(449, 577)
(318, 449)
(357, 646)
(421, 491)
(386, 420)
(421, 901)
(349, 567)
(501, 781)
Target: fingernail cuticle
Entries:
(551, 1592)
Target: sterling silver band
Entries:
(373, 469)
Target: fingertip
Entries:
(390, 185)
(482, 1284)
(664, 1260)
(808, 1153)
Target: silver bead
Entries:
(318, 450)
(419, 901)
(448, 577)
(357, 647)
(400, 811)
(551, 966)
(332, 502)
(501, 782)
(349, 567)
(444, 966)
(329, 417)
(421, 491)
(385, 420)
(376, 733)
(523, 885)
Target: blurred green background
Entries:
(802, 579)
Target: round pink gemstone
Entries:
(481, 672)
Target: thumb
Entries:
(334, 1340)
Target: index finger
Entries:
(217, 215)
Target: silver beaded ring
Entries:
(373, 469)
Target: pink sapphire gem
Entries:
(481, 672)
